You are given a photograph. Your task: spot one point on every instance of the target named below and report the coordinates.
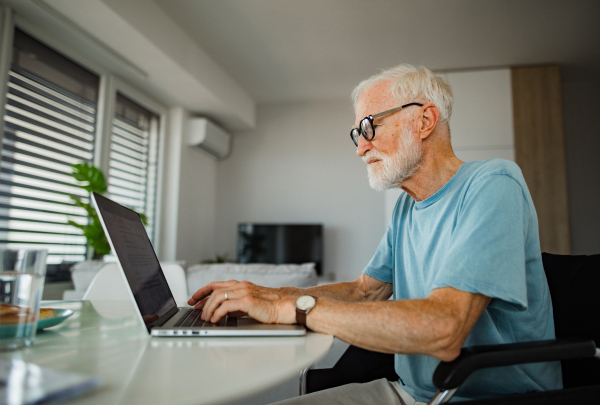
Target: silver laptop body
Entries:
(148, 286)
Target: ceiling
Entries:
(300, 50)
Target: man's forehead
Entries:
(373, 99)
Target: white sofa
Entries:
(267, 275)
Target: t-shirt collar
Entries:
(442, 191)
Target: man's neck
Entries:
(431, 176)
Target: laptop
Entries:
(148, 286)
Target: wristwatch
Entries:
(303, 306)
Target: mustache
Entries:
(373, 154)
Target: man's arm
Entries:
(437, 325)
(364, 288)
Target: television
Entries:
(281, 244)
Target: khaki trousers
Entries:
(380, 392)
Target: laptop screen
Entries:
(136, 255)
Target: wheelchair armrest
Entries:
(452, 374)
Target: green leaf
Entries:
(96, 237)
(143, 217)
(219, 258)
(86, 206)
(76, 225)
(92, 178)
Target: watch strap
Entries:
(301, 316)
(302, 313)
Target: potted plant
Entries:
(91, 179)
(218, 259)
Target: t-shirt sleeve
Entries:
(487, 250)
(381, 265)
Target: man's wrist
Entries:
(286, 311)
(304, 305)
(291, 292)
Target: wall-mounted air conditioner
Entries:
(207, 135)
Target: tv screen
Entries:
(281, 244)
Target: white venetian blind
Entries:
(49, 125)
(132, 175)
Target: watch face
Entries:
(305, 302)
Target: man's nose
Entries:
(363, 146)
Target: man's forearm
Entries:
(436, 326)
(348, 292)
(363, 289)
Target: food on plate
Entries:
(13, 314)
(47, 313)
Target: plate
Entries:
(10, 331)
(61, 315)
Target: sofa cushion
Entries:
(267, 275)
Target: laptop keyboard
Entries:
(192, 319)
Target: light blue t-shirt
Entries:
(478, 233)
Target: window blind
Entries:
(49, 124)
(132, 175)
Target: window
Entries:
(133, 158)
(49, 124)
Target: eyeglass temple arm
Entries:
(395, 109)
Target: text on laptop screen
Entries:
(136, 255)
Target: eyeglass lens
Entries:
(367, 129)
(354, 134)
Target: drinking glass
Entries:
(22, 275)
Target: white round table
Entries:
(106, 339)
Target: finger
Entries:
(227, 307)
(200, 304)
(234, 290)
(214, 301)
(208, 289)
(200, 295)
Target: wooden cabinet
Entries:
(540, 150)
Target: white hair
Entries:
(410, 83)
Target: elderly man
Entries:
(461, 257)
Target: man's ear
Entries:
(428, 119)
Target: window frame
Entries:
(110, 84)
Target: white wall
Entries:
(188, 197)
(299, 165)
(481, 124)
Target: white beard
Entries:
(393, 170)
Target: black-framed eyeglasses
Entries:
(367, 128)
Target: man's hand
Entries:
(267, 305)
